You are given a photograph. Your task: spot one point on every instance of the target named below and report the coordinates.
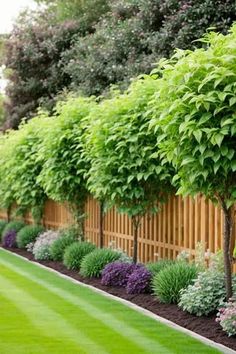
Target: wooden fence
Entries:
(178, 226)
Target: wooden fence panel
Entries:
(179, 225)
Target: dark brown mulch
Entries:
(205, 326)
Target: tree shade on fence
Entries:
(181, 223)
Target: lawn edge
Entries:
(140, 309)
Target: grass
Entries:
(44, 313)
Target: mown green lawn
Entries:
(44, 313)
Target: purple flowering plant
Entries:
(139, 281)
(118, 273)
(9, 239)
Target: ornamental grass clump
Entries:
(41, 248)
(155, 267)
(28, 234)
(139, 281)
(118, 273)
(93, 264)
(9, 239)
(227, 317)
(75, 252)
(205, 295)
(13, 226)
(169, 281)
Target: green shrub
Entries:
(169, 281)
(28, 234)
(71, 231)
(58, 247)
(155, 267)
(75, 253)
(3, 224)
(93, 264)
(14, 226)
(205, 295)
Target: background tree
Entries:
(195, 106)
(62, 155)
(86, 46)
(125, 168)
(32, 58)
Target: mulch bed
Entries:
(205, 325)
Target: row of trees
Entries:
(87, 46)
(175, 128)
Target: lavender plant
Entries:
(9, 239)
(118, 273)
(139, 281)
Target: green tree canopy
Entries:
(195, 105)
(62, 153)
(125, 167)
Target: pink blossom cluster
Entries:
(227, 317)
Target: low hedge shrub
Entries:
(205, 295)
(93, 264)
(41, 247)
(75, 252)
(58, 247)
(139, 281)
(13, 226)
(3, 224)
(9, 239)
(28, 234)
(118, 273)
(169, 281)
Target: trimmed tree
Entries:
(62, 155)
(125, 168)
(20, 168)
(195, 105)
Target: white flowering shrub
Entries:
(227, 317)
(41, 248)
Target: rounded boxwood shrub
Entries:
(118, 273)
(3, 224)
(28, 234)
(14, 226)
(169, 281)
(155, 267)
(75, 252)
(205, 295)
(41, 247)
(9, 239)
(93, 264)
(58, 247)
(139, 281)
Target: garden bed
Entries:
(205, 325)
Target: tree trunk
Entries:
(136, 224)
(101, 219)
(228, 224)
(9, 213)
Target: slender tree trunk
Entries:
(228, 224)
(101, 220)
(136, 224)
(9, 213)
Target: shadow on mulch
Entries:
(205, 325)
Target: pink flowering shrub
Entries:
(227, 317)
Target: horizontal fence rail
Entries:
(180, 225)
